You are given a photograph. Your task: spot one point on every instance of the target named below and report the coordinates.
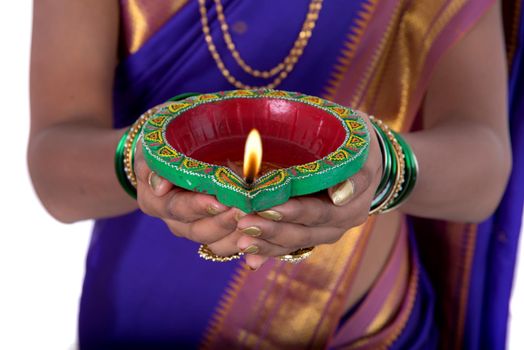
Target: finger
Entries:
(198, 206)
(145, 176)
(255, 261)
(342, 192)
(227, 245)
(158, 185)
(179, 204)
(254, 246)
(305, 210)
(352, 188)
(286, 235)
(318, 210)
(207, 230)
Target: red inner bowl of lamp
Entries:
(293, 133)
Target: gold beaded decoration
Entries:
(128, 147)
(207, 254)
(297, 256)
(281, 70)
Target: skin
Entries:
(72, 144)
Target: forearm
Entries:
(464, 168)
(72, 168)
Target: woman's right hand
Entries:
(195, 216)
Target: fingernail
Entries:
(342, 192)
(154, 180)
(213, 210)
(271, 215)
(252, 249)
(239, 215)
(252, 231)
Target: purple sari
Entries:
(144, 288)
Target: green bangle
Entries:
(388, 179)
(183, 96)
(386, 160)
(119, 166)
(411, 172)
(395, 182)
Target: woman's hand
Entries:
(195, 216)
(309, 221)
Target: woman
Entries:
(433, 70)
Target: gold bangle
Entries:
(297, 256)
(401, 168)
(207, 254)
(128, 146)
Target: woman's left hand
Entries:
(308, 221)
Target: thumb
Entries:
(342, 192)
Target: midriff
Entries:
(379, 247)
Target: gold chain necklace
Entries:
(282, 69)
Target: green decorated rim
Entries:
(314, 142)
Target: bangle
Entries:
(388, 196)
(207, 254)
(119, 169)
(126, 148)
(130, 145)
(386, 160)
(411, 173)
(389, 168)
(183, 96)
(135, 134)
(297, 256)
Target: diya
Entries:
(309, 144)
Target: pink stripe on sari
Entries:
(383, 299)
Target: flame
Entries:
(252, 156)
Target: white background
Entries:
(41, 260)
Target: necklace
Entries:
(281, 70)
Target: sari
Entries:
(144, 288)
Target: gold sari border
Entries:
(418, 27)
(337, 305)
(312, 302)
(382, 302)
(305, 299)
(142, 18)
(390, 79)
(391, 304)
(217, 320)
(352, 43)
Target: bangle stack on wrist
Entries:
(400, 169)
(125, 154)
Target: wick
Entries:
(249, 181)
(237, 169)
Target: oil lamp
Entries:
(310, 144)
